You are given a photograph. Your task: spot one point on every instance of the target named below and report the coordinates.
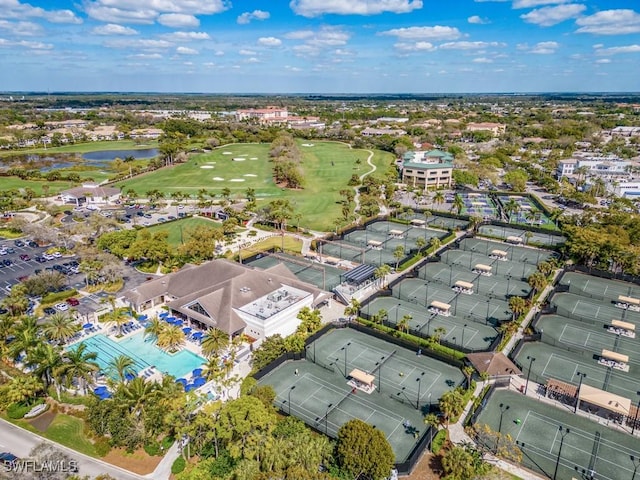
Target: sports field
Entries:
(601, 288)
(532, 256)
(440, 222)
(525, 235)
(405, 386)
(469, 258)
(479, 205)
(322, 276)
(327, 168)
(178, 230)
(549, 436)
(581, 307)
(527, 212)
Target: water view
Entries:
(97, 159)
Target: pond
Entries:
(98, 159)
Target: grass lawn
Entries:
(69, 431)
(9, 183)
(291, 244)
(86, 147)
(327, 167)
(174, 228)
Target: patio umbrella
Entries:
(129, 376)
(186, 330)
(87, 325)
(198, 382)
(178, 323)
(142, 318)
(164, 314)
(197, 335)
(189, 387)
(197, 372)
(183, 381)
(104, 395)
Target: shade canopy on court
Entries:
(628, 300)
(360, 274)
(513, 239)
(615, 356)
(374, 243)
(463, 284)
(395, 232)
(445, 307)
(606, 400)
(499, 253)
(362, 377)
(481, 267)
(417, 222)
(625, 325)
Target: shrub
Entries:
(152, 448)
(438, 441)
(58, 296)
(167, 442)
(19, 410)
(178, 466)
(102, 446)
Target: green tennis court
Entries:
(496, 285)
(562, 364)
(472, 331)
(356, 254)
(320, 275)
(596, 287)
(577, 306)
(517, 254)
(469, 258)
(447, 223)
(527, 236)
(581, 447)
(318, 393)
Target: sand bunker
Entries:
(211, 163)
(218, 179)
(250, 175)
(227, 153)
(237, 180)
(244, 155)
(253, 158)
(307, 144)
(206, 166)
(239, 159)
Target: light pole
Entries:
(581, 375)
(419, 380)
(636, 464)
(463, 327)
(563, 433)
(397, 312)
(503, 408)
(526, 385)
(289, 397)
(345, 358)
(379, 367)
(426, 294)
(508, 285)
(326, 416)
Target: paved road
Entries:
(20, 442)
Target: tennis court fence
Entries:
(603, 274)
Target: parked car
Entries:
(33, 244)
(73, 302)
(8, 459)
(24, 257)
(19, 243)
(7, 262)
(63, 307)
(49, 311)
(40, 259)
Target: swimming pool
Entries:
(143, 352)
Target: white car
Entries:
(63, 307)
(56, 254)
(48, 256)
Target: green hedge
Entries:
(56, 297)
(16, 411)
(178, 466)
(438, 441)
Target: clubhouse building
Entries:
(231, 297)
(427, 169)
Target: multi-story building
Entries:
(427, 169)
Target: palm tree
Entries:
(352, 309)
(517, 305)
(438, 198)
(45, 361)
(79, 365)
(22, 389)
(451, 404)
(398, 253)
(214, 342)
(171, 338)
(59, 328)
(403, 324)
(510, 208)
(438, 333)
(213, 368)
(25, 338)
(458, 204)
(381, 273)
(537, 281)
(380, 316)
(122, 366)
(545, 268)
(136, 393)
(474, 223)
(420, 243)
(154, 328)
(434, 244)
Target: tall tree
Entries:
(363, 450)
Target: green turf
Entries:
(85, 147)
(317, 202)
(9, 183)
(179, 228)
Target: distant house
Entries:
(264, 115)
(496, 129)
(378, 132)
(90, 194)
(231, 297)
(427, 169)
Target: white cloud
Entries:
(178, 20)
(118, 15)
(477, 20)
(342, 53)
(610, 22)
(292, 69)
(246, 52)
(146, 56)
(113, 29)
(15, 9)
(315, 8)
(544, 48)
(482, 60)
(187, 36)
(26, 44)
(603, 61)
(142, 43)
(246, 17)
(437, 32)
(269, 41)
(252, 60)
(186, 51)
(147, 11)
(22, 29)
(415, 47)
(299, 34)
(535, 3)
(315, 42)
(549, 16)
(621, 49)
(464, 45)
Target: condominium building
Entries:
(427, 169)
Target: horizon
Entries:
(356, 47)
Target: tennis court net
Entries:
(382, 362)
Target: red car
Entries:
(73, 302)
(24, 257)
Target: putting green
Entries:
(327, 168)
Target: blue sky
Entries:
(320, 46)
